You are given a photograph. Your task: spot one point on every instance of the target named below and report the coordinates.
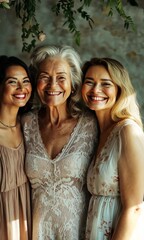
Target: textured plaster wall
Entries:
(108, 38)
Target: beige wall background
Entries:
(107, 38)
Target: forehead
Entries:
(97, 71)
(54, 64)
(15, 70)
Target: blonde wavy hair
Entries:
(126, 105)
(68, 54)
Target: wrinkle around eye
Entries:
(89, 83)
(107, 85)
(26, 80)
(61, 79)
(43, 79)
(11, 82)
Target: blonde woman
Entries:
(116, 175)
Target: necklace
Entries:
(8, 125)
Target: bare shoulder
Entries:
(131, 164)
(132, 144)
(131, 133)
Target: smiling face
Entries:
(99, 91)
(54, 82)
(16, 89)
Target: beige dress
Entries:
(59, 195)
(14, 195)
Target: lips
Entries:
(20, 96)
(95, 98)
(53, 93)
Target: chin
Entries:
(21, 104)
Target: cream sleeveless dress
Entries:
(103, 183)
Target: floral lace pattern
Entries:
(59, 195)
(103, 184)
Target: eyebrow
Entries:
(62, 73)
(48, 73)
(43, 73)
(10, 78)
(103, 79)
(14, 78)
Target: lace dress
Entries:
(103, 183)
(59, 195)
(15, 219)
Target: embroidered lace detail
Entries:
(59, 195)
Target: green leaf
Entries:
(77, 37)
(5, 5)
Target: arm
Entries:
(131, 177)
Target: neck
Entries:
(8, 119)
(105, 121)
(55, 115)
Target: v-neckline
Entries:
(13, 148)
(65, 147)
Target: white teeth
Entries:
(98, 98)
(53, 93)
(20, 95)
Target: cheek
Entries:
(114, 92)
(111, 92)
(30, 88)
(84, 91)
(6, 90)
(40, 86)
(68, 88)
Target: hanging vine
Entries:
(69, 9)
(25, 10)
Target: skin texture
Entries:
(54, 88)
(15, 91)
(100, 93)
(54, 83)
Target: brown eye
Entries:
(106, 84)
(11, 82)
(88, 82)
(61, 78)
(43, 78)
(26, 80)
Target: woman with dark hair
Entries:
(60, 140)
(15, 91)
(116, 175)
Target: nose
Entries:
(19, 85)
(52, 82)
(97, 87)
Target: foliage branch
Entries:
(69, 9)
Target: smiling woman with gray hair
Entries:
(60, 140)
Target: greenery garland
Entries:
(26, 12)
